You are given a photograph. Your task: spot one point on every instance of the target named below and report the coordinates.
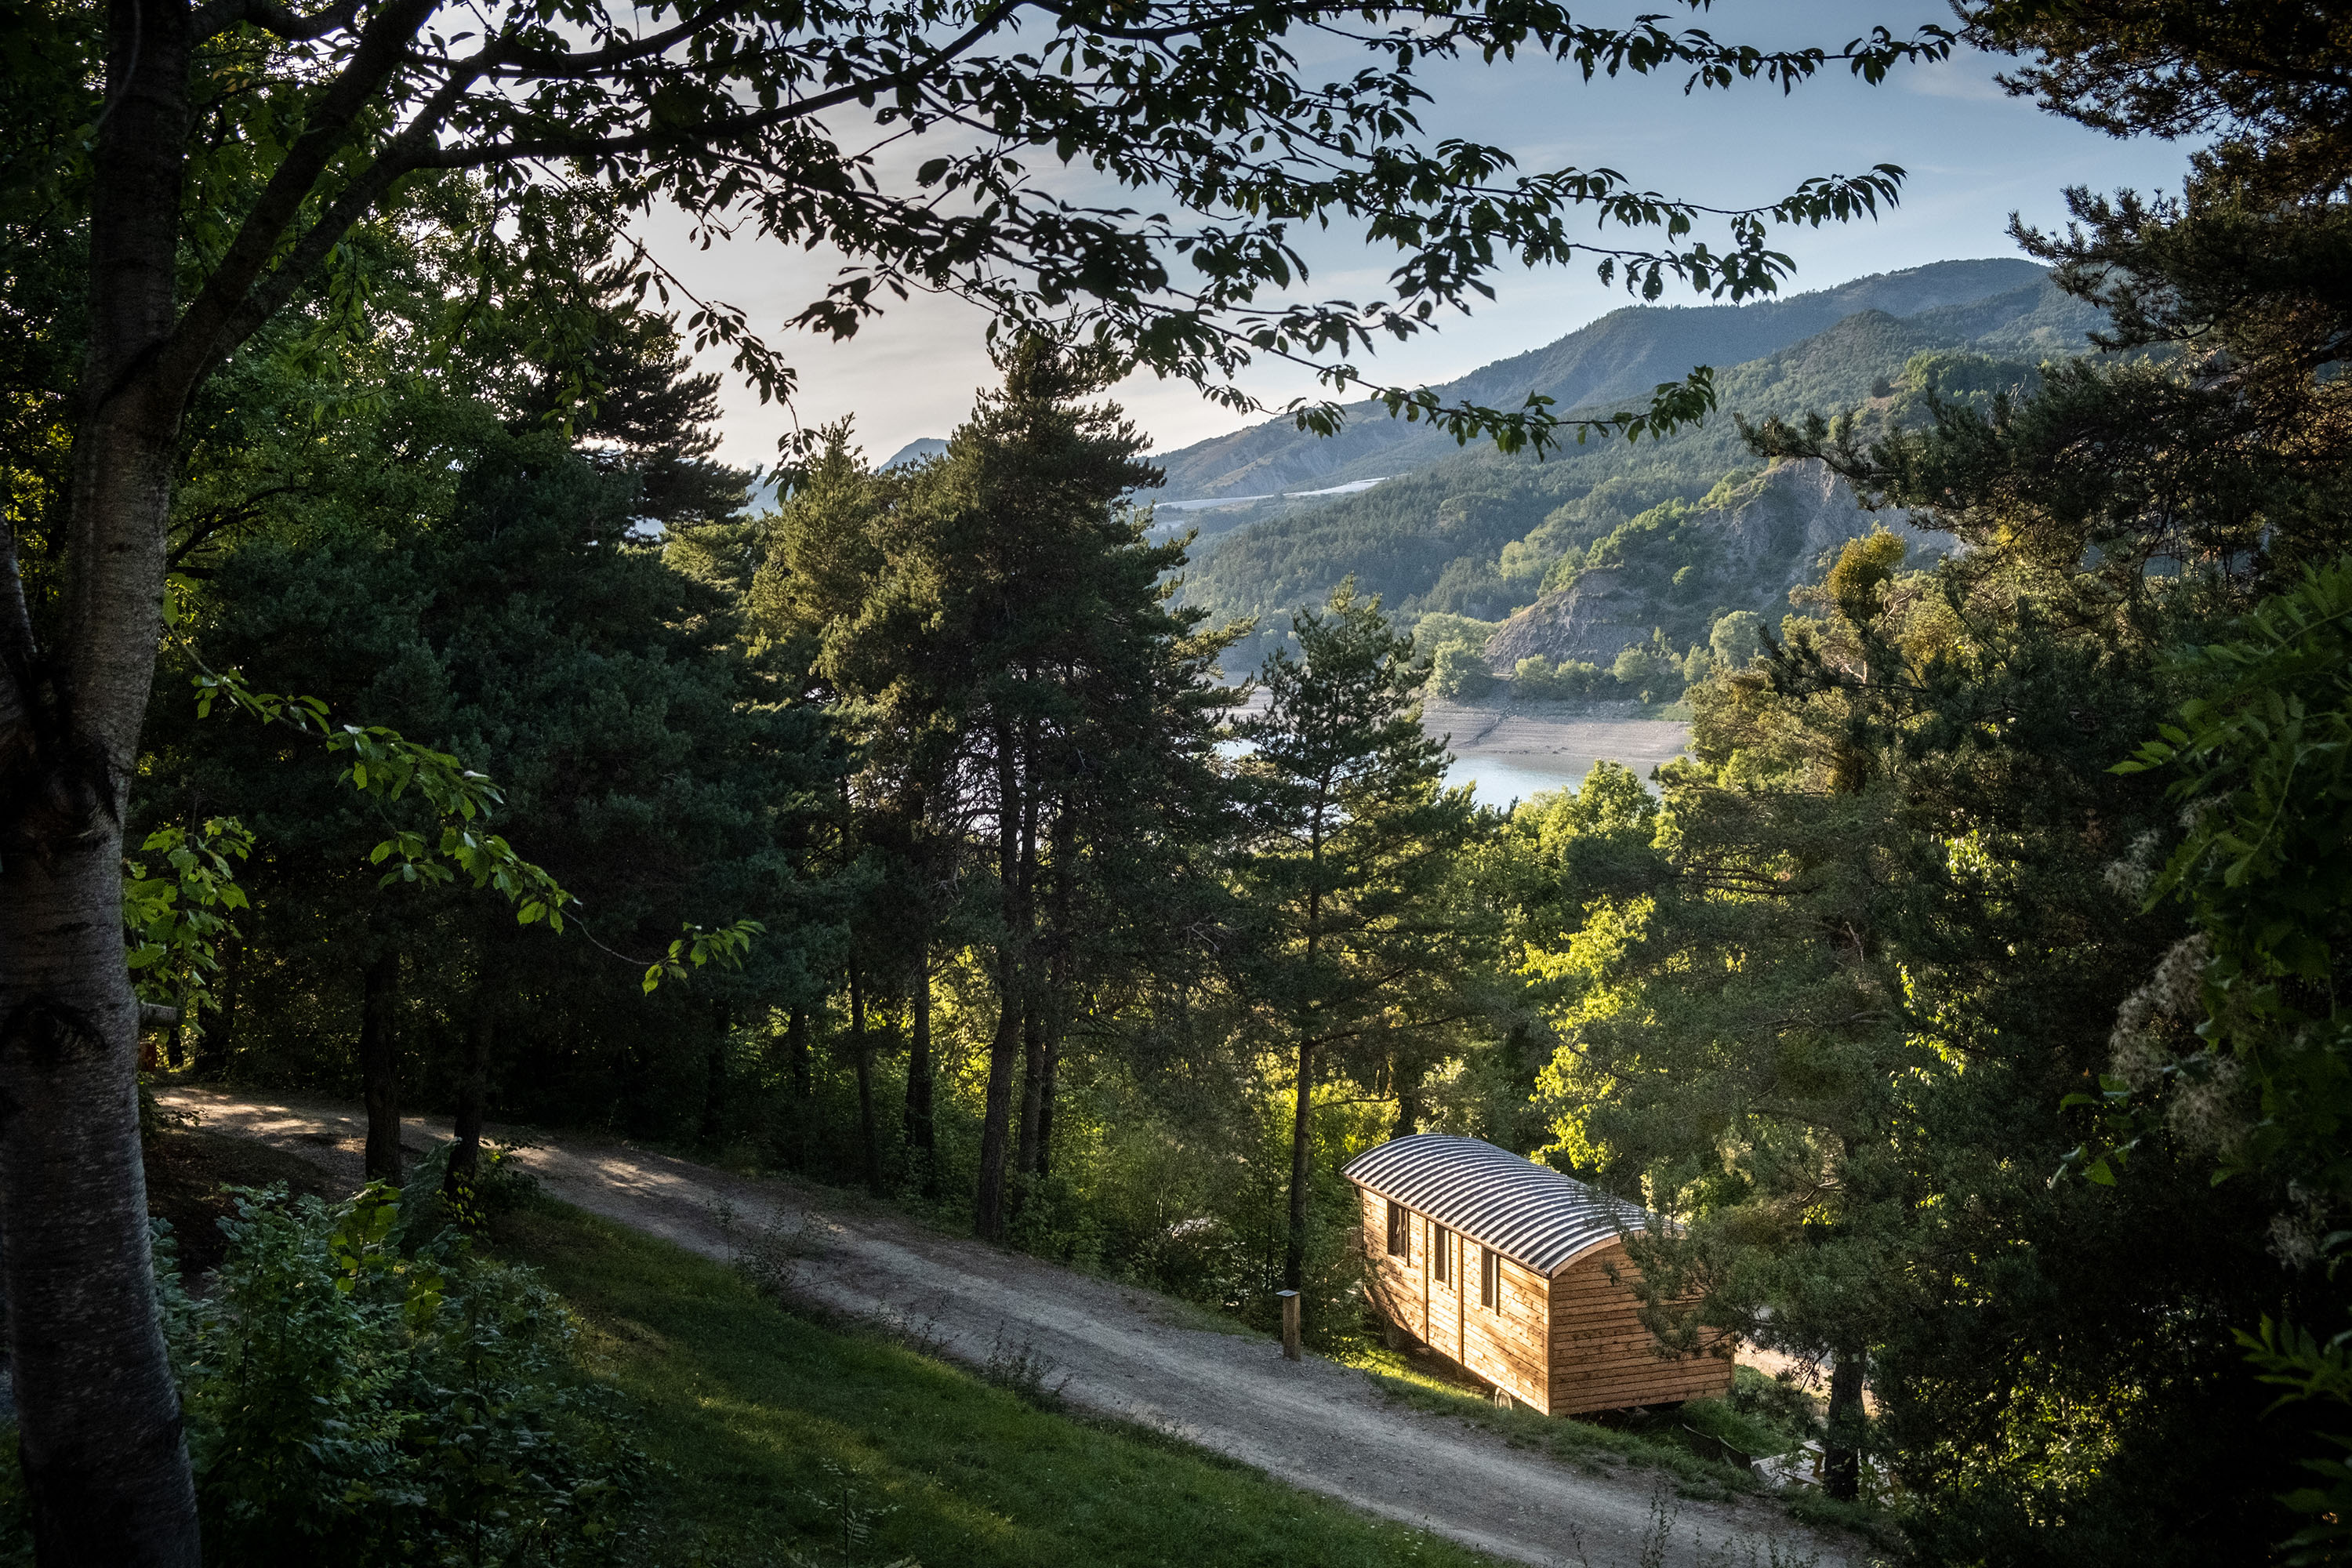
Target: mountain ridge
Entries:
(1622, 354)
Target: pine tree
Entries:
(1352, 837)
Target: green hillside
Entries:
(1619, 357)
(1476, 533)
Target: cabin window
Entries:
(1441, 1243)
(1400, 1231)
(1490, 1280)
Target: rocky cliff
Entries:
(1779, 529)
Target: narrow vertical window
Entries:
(1490, 1280)
(1440, 1243)
(1400, 1231)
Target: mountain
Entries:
(1481, 535)
(1619, 357)
(915, 451)
(1691, 566)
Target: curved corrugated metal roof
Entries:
(1530, 1214)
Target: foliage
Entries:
(174, 927)
(2259, 763)
(1460, 675)
(1352, 938)
(1802, 1031)
(359, 1387)
(1737, 638)
(1539, 678)
(1456, 647)
(2238, 1043)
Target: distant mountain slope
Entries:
(1622, 355)
(1477, 533)
(1687, 569)
(915, 451)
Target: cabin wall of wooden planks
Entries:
(1602, 1358)
(1565, 1345)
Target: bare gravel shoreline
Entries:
(1556, 738)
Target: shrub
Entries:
(1635, 666)
(1461, 672)
(360, 1389)
(1738, 637)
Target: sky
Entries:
(1973, 156)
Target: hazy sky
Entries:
(1973, 154)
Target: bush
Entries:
(1635, 668)
(1461, 672)
(1738, 637)
(1539, 677)
(360, 1389)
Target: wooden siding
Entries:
(1394, 1283)
(1601, 1356)
(1445, 1316)
(1505, 1343)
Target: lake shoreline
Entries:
(1517, 749)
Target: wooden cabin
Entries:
(1504, 1267)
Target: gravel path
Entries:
(1124, 1351)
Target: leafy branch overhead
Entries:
(387, 765)
(775, 116)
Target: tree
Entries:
(1836, 1030)
(2199, 470)
(311, 121)
(1349, 941)
(995, 631)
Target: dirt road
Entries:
(1123, 1350)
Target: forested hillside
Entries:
(1476, 533)
(1620, 356)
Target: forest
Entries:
(400, 703)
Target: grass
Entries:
(772, 1434)
(1425, 1386)
(1595, 1448)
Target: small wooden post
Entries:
(1289, 1323)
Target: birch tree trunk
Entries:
(99, 1418)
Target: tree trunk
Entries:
(1842, 1442)
(1045, 1108)
(217, 1040)
(1049, 1007)
(1294, 1259)
(796, 1061)
(1034, 998)
(920, 1135)
(473, 1090)
(996, 1113)
(714, 1080)
(1408, 1077)
(99, 1434)
(1033, 1080)
(869, 1139)
(1294, 1262)
(99, 1418)
(379, 1073)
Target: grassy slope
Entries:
(745, 1405)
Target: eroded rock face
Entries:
(1781, 529)
(1592, 620)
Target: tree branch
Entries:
(203, 332)
(219, 16)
